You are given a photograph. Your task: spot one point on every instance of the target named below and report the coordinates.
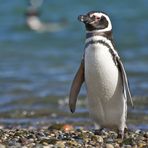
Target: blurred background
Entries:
(41, 45)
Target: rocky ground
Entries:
(65, 135)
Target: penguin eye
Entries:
(96, 17)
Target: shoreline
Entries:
(65, 135)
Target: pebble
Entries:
(109, 146)
(2, 146)
(67, 136)
(99, 139)
(60, 144)
(127, 146)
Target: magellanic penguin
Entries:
(104, 75)
(35, 23)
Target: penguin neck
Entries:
(94, 36)
(107, 34)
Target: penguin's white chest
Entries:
(104, 86)
(101, 73)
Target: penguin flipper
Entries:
(76, 86)
(126, 88)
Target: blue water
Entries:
(40, 65)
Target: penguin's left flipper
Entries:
(126, 89)
(76, 86)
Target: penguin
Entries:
(34, 22)
(104, 75)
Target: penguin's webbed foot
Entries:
(99, 131)
(120, 134)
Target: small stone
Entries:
(99, 139)
(31, 140)
(127, 146)
(2, 146)
(116, 145)
(141, 145)
(67, 127)
(48, 146)
(45, 143)
(138, 131)
(135, 146)
(41, 134)
(109, 140)
(60, 144)
(109, 146)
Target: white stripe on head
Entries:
(108, 28)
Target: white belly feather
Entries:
(104, 87)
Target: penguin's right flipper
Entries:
(76, 86)
(126, 88)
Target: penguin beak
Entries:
(84, 19)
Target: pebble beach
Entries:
(66, 136)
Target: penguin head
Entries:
(95, 20)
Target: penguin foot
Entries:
(126, 129)
(99, 131)
(120, 134)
